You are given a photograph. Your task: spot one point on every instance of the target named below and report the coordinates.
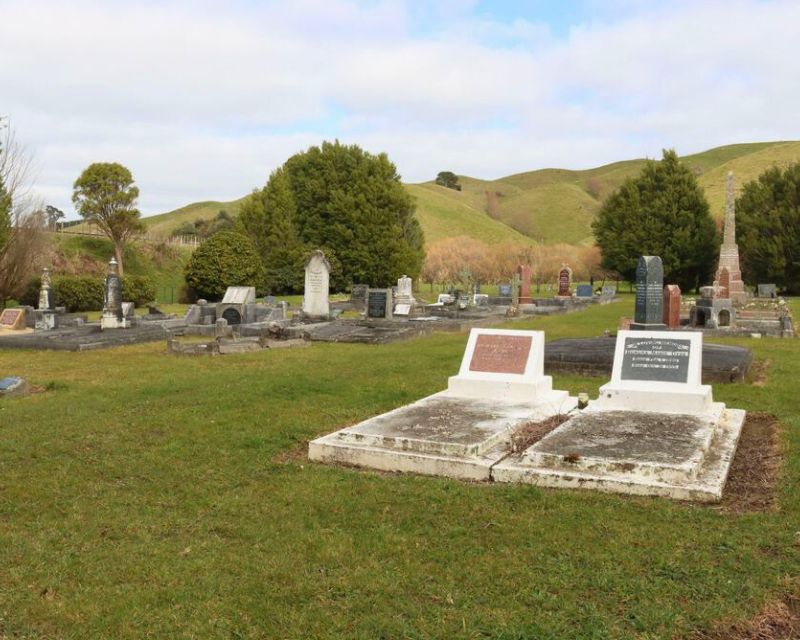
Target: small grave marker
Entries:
(12, 319)
(584, 291)
(672, 306)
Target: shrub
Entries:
(138, 289)
(227, 259)
(77, 293)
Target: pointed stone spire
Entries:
(729, 235)
(729, 276)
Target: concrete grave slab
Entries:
(702, 483)
(654, 430)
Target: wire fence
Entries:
(183, 241)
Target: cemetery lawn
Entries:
(144, 495)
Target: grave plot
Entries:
(654, 430)
(462, 431)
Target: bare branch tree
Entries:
(25, 245)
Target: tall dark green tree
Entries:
(345, 201)
(660, 212)
(768, 228)
(268, 217)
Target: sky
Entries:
(203, 100)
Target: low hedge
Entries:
(85, 293)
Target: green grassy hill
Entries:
(165, 223)
(547, 205)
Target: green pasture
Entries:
(144, 495)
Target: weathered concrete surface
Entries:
(655, 445)
(616, 460)
(595, 356)
(438, 435)
(84, 338)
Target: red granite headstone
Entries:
(524, 272)
(500, 354)
(671, 309)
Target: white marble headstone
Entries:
(239, 295)
(317, 284)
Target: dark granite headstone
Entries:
(379, 303)
(584, 291)
(649, 294)
(657, 359)
(504, 290)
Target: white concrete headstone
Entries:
(658, 371)
(405, 294)
(502, 364)
(317, 283)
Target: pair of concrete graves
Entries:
(654, 430)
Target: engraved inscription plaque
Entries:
(658, 359)
(9, 317)
(500, 354)
(376, 304)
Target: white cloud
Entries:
(202, 100)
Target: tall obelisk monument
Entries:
(729, 276)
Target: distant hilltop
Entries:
(547, 205)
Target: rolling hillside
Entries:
(547, 205)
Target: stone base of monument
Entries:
(439, 435)
(112, 321)
(681, 456)
(463, 431)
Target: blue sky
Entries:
(202, 100)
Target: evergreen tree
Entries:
(660, 212)
(768, 228)
(267, 216)
(345, 201)
(448, 179)
(226, 259)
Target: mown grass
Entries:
(154, 496)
